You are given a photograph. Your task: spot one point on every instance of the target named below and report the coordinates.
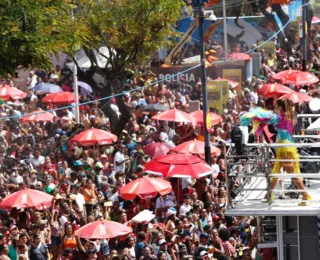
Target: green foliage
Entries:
(132, 30)
(32, 30)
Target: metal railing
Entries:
(257, 161)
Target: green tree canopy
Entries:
(31, 31)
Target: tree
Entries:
(31, 31)
(132, 31)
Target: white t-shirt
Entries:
(80, 201)
(37, 162)
(184, 209)
(215, 168)
(161, 203)
(185, 182)
(118, 157)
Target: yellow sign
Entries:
(218, 95)
(235, 75)
(209, 122)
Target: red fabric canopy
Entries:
(102, 229)
(270, 90)
(173, 115)
(238, 56)
(145, 188)
(197, 117)
(59, 98)
(7, 92)
(156, 149)
(27, 198)
(296, 77)
(296, 97)
(38, 115)
(178, 165)
(195, 147)
(93, 136)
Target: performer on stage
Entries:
(284, 120)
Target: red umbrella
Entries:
(102, 229)
(59, 98)
(38, 115)
(296, 77)
(27, 198)
(145, 188)
(232, 84)
(296, 97)
(7, 92)
(156, 149)
(238, 56)
(178, 165)
(197, 117)
(174, 115)
(93, 136)
(194, 147)
(270, 90)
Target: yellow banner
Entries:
(218, 95)
(235, 75)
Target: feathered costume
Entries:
(261, 117)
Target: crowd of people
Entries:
(190, 222)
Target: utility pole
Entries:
(304, 40)
(204, 84)
(75, 86)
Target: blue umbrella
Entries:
(47, 88)
(84, 86)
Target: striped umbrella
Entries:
(92, 137)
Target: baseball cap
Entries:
(204, 235)
(202, 253)
(91, 251)
(145, 222)
(162, 241)
(99, 165)
(78, 163)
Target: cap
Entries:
(91, 251)
(145, 222)
(78, 163)
(76, 186)
(202, 253)
(162, 241)
(104, 156)
(67, 251)
(99, 165)
(215, 218)
(204, 235)
(186, 196)
(13, 227)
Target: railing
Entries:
(301, 122)
(257, 161)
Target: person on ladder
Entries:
(283, 118)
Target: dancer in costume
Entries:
(284, 120)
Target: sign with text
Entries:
(218, 95)
(233, 74)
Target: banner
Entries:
(218, 95)
(233, 74)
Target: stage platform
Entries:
(250, 203)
